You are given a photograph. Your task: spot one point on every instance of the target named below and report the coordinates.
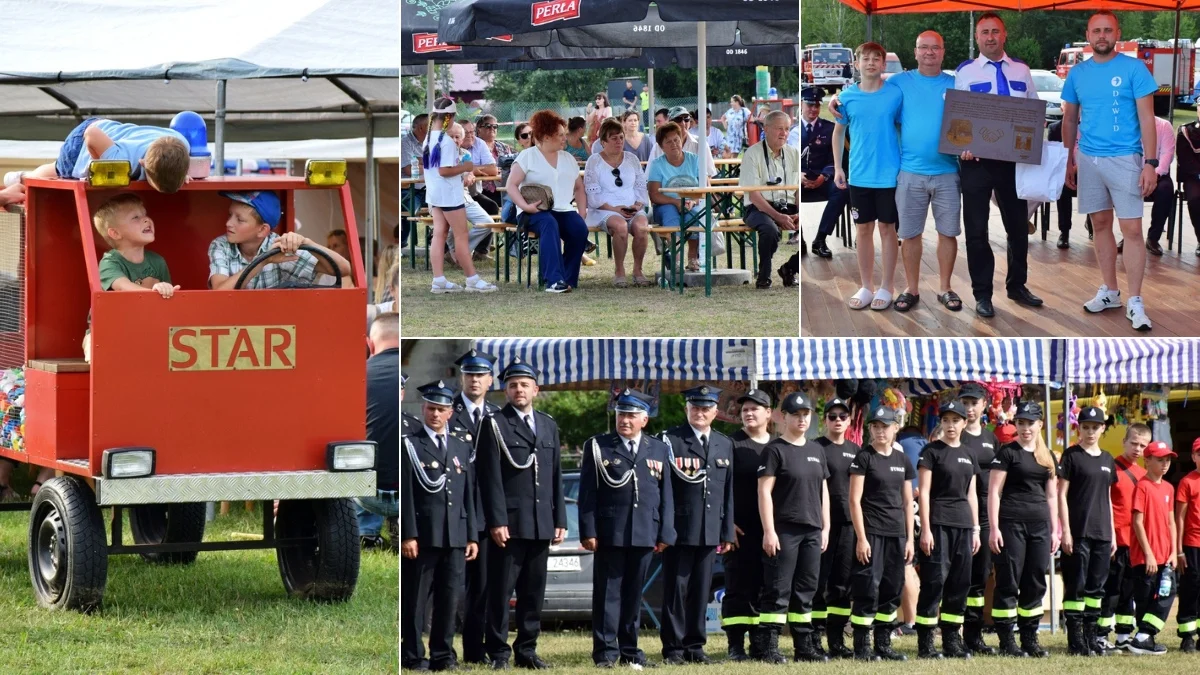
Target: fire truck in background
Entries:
(824, 65)
(1156, 54)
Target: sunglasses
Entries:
(617, 174)
(837, 417)
(489, 126)
(525, 135)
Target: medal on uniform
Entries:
(433, 465)
(457, 465)
(616, 461)
(468, 438)
(606, 462)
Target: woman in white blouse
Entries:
(562, 232)
(616, 193)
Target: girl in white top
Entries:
(735, 127)
(616, 193)
(444, 168)
(548, 164)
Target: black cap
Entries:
(952, 406)
(519, 368)
(973, 390)
(1092, 414)
(703, 396)
(810, 95)
(795, 402)
(475, 362)
(837, 403)
(633, 401)
(758, 396)
(437, 393)
(882, 414)
(1029, 411)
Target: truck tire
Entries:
(68, 555)
(325, 570)
(168, 524)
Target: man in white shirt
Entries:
(772, 161)
(683, 118)
(410, 148)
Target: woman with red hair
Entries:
(561, 229)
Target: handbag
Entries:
(532, 192)
(1043, 182)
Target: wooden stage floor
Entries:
(1064, 279)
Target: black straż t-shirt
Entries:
(747, 457)
(950, 483)
(1088, 500)
(1024, 496)
(883, 498)
(799, 471)
(984, 448)
(838, 458)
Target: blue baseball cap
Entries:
(703, 396)
(265, 202)
(633, 401)
(475, 362)
(437, 393)
(519, 368)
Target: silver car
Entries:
(1049, 87)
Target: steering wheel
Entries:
(292, 283)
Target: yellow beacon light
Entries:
(108, 173)
(325, 172)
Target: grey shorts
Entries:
(915, 193)
(1110, 183)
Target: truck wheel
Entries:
(326, 569)
(68, 556)
(168, 524)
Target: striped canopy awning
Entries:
(567, 361)
(1132, 361)
(935, 363)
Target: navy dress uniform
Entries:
(520, 475)
(436, 511)
(702, 485)
(816, 159)
(626, 506)
(465, 422)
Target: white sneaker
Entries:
(1105, 299)
(445, 287)
(1136, 313)
(12, 178)
(480, 286)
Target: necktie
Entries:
(529, 422)
(808, 129)
(633, 449)
(441, 446)
(1001, 80)
(475, 417)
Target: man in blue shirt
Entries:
(1115, 165)
(871, 109)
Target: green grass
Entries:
(570, 652)
(227, 612)
(596, 307)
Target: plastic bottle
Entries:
(1164, 583)
(415, 167)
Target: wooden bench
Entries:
(670, 237)
(59, 365)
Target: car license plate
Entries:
(564, 563)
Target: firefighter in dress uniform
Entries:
(470, 407)
(701, 462)
(626, 514)
(520, 471)
(438, 531)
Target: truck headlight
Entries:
(350, 456)
(325, 172)
(108, 173)
(127, 462)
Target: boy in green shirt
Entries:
(128, 266)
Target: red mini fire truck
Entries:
(1156, 54)
(208, 396)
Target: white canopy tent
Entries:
(263, 70)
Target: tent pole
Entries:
(429, 85)
(868, 25)
(702, 98)
(650, 115)
(1174, 69)
(971, 37)
(219, 130)
(1049, 429)
(369, 203)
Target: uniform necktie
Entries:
(475, 417)
(1001, 80)
(633, 449)
(441, 446)
(704, 442)
(529, 422)
(808, 129)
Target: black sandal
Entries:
(951, 301)
(906, 301)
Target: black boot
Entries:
(1076, 646)
(803, 644)
(835, 633)
(1008, 646)
(819, 248)
(952, 644)
(771, 652)
(1029, 642)
(862, 644)
(814, 638)
(1092, 640)
(973, 635)
(925, 649)
(1187, 644)
(737, 643)
(883, 645)
(758, 642)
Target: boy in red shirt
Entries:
(1187, 517)
(1118, 603)
(1153, 555)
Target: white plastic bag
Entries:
(1043, 182)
